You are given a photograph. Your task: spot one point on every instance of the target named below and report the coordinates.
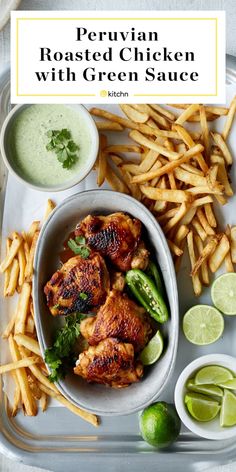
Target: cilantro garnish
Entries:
(79, 247)
(83, 296)
(64, 147)
(59, 356)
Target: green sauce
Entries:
(29, 140)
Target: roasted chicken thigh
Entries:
(111, 363)
(116, 236)
(119, 318)
(79, 285)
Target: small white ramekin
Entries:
(210, 429)
(84, 171)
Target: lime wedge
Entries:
(200, 407)
(228, 409)
(211, 390)
(203, 324)
(229, 384)
(213, 374)
(153, 350)
(223, 293)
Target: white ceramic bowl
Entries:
(93, 397)
(8, 157)
(211, 429)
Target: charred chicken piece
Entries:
(119, 318)
(79, 285)
(116, 236)
(111, 363)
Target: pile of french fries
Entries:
(27, 368)
(178, 176)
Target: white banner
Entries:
(111, 57)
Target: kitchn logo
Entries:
(113, 93)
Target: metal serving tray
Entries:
(57, 440)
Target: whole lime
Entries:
(160, 424)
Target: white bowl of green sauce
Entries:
(25, 148)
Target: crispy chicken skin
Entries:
(111, 363)
(119, 318)
(79, 285)
(115, 236)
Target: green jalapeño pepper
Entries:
(146, 292)
(153, 272)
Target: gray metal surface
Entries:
(57, 440)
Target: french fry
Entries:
(148, 162)
(223, 147)
(34, 227)
(153, 114)
(218, 256)
(89, 417)
(116, 159)
(43, 401)
(207, 228)
(160, 109)
(228, 259)
(210, 215)
(17, 395)
(143, 128)
(185, 115)
(175, 219)
(204, 267)
(115, 182)
(16, 242)
(49, 208)
(205, 131)
(175, 196)
(30, 261)
(10, 326)
(27, 399)
(189, 178)
(174, 248)
(207, 251)
(101, 160)
(188, 217)
(134, 115)
(30, 327)
(202, 201)
(8, 270)
(22, 308)
(222, 174)
(108, 126)
(185, 135)
(233, 243)
(13, 278)
(168, 167)
(28, 342)
(181, 233)
(209, 109)
(191, 168)
(34, 387)
(22, 265)
(160, 205)
(141, 139)
(229, 119)
(199, 229)
(18, 364)
(204, 189)
(197, 286)
(123, 148)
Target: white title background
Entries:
(193, 31)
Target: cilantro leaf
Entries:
(58, 356)
(80, 239)
(63, 146)
(83, 296)
(79, 249)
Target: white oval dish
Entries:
(211, 429)
(93, 397)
